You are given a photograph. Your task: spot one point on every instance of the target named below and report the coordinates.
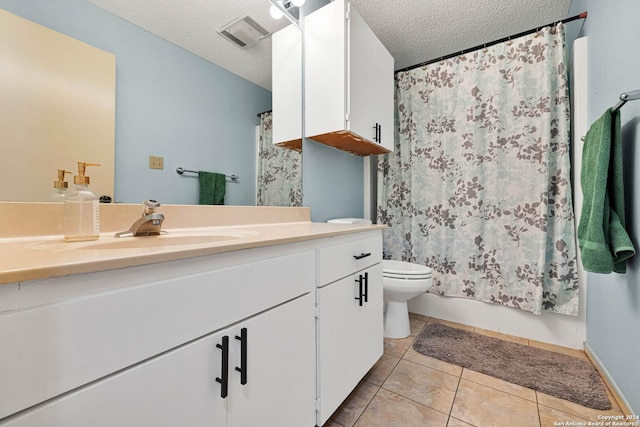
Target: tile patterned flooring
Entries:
(408, 389)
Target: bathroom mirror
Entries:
(168, 103)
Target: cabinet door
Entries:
(370, 94)
(325, 67)
(280, 368)
(287, 86)
(369, 342)
(178, 388)
(350, 336)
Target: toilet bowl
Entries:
(401, 281)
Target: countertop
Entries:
(38, 257)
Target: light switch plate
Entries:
(156, 162)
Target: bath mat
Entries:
(556, 374)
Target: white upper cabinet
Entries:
(348, 82)
(287, 87)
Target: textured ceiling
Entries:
(412, 30)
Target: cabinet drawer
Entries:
(335, 262)
(49, 350)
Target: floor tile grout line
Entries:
(367, 405)
(412, 400)
(538, 411)
(455, 395)
(500, 390)
(429, 367)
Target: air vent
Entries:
(243, 32)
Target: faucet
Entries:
(148, 225)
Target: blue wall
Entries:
(613, 301)
(169, 103)
(332, 182)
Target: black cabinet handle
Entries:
(224, 380)
(378, 135)
(362, 255)
(360, 296)
(366, 287)
(243, 356)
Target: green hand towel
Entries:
(212, 188)
(603, 240)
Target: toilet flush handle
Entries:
(362, 255)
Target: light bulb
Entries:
(275, 12)
(297, 3)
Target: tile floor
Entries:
(408, 389)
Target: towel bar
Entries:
(180, 171)
(624, 97)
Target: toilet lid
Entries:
(403, 269)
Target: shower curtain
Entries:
(478, 187)
(279, 181)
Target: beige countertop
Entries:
(38, 257)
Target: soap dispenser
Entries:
(59, 188)
(81, 209)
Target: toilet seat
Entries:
(405, 270)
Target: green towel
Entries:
(212, 188)
(603, 240)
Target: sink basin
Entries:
(157, 241)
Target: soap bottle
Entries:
(60, 188)
(81, 209)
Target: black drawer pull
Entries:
(361, 296)
(366, 287)
(243, 356)
(224, 375)
(362, 255)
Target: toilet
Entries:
(401, 281)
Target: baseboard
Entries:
(608, 379)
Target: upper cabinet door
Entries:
(287, 87)
(348, 82)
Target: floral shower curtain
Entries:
(279, 181)
(478, 187)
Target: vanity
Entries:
(261, 319)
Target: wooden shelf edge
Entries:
(350, 142)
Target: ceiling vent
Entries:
(243, 32)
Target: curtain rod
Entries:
(583, 15)
(264, 112)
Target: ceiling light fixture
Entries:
(276, 13)
(280, 8)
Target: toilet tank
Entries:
(349, 221)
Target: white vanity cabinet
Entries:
(146, 346)
(350, 320)
(200, 383)
(286, 84)
(271, 336)
(348, 82)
